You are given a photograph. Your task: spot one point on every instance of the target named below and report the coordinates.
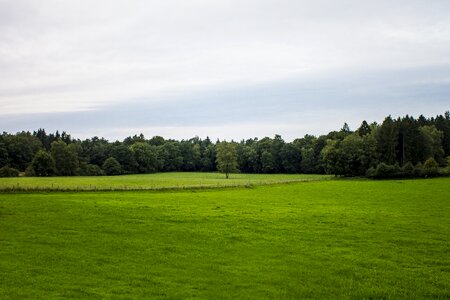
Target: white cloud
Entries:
(58, 56)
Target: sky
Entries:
(225, 69)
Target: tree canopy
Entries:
(226, 158)
(397, 142)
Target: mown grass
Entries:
(158, 181)
(326, 239)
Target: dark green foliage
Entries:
(277, 154)
(387, 141)
(8, 172)
(267, 162)
(350, 157)
(411, 141)
(408, 170)
(124, 155)
(247, 158)
(291, 158)
(227, 158)
(90, 170)
(343, 152)
(442, 124)
(364, 129)
(384, 171)
(208, 160)
(43, 164)
(146, 157)
(432, 143)
(128, 141)
(21, 149)
(95, 150)
(191, 156)
(431, 167)
(418, 170)
(3, 155)
(48, 139)
(171, 156)
(66, 158)
(112, 167)
(157, 141)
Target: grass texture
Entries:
(157, 181)
(336, 239)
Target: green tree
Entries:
(90, 170)
(364, 129)
(330, 156)
(276, 152)
(226, 158)
(8, 172)
(369, 157)
(247, 158)
(442, 123)
(112, 167)
(125, 157)
(208, 160)
(146, 157)
(21, 149)
(387, 140)
(171, 156)
(3, 155)
(267, 162)
(291, 158)
(66, 158)
(430, 167)
(432, 143)
(43, 164)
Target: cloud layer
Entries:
(166, 66)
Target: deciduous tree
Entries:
(226, 158)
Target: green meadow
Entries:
(344, 239)
(175, 180)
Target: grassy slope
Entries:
(333, 239)
(152, 181)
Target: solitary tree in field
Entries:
(226, 158)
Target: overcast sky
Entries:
(224, 69)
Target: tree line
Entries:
(402, 147)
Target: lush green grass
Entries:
(150, 181)
(326, 239)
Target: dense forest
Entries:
(402, 147)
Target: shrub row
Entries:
(428, 169)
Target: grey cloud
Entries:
(197, 63)
(332, 100)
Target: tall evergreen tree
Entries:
(387, 140)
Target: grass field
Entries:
(150, 181)
(324, 239)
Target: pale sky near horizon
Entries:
(225, 69)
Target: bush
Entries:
(408, 170)
(8, 172)
(371, 172)
(386, 171)
(112, 167)
(418, 170)
(91, 170)
(29, 172)
(431, 168)
(446, 171)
